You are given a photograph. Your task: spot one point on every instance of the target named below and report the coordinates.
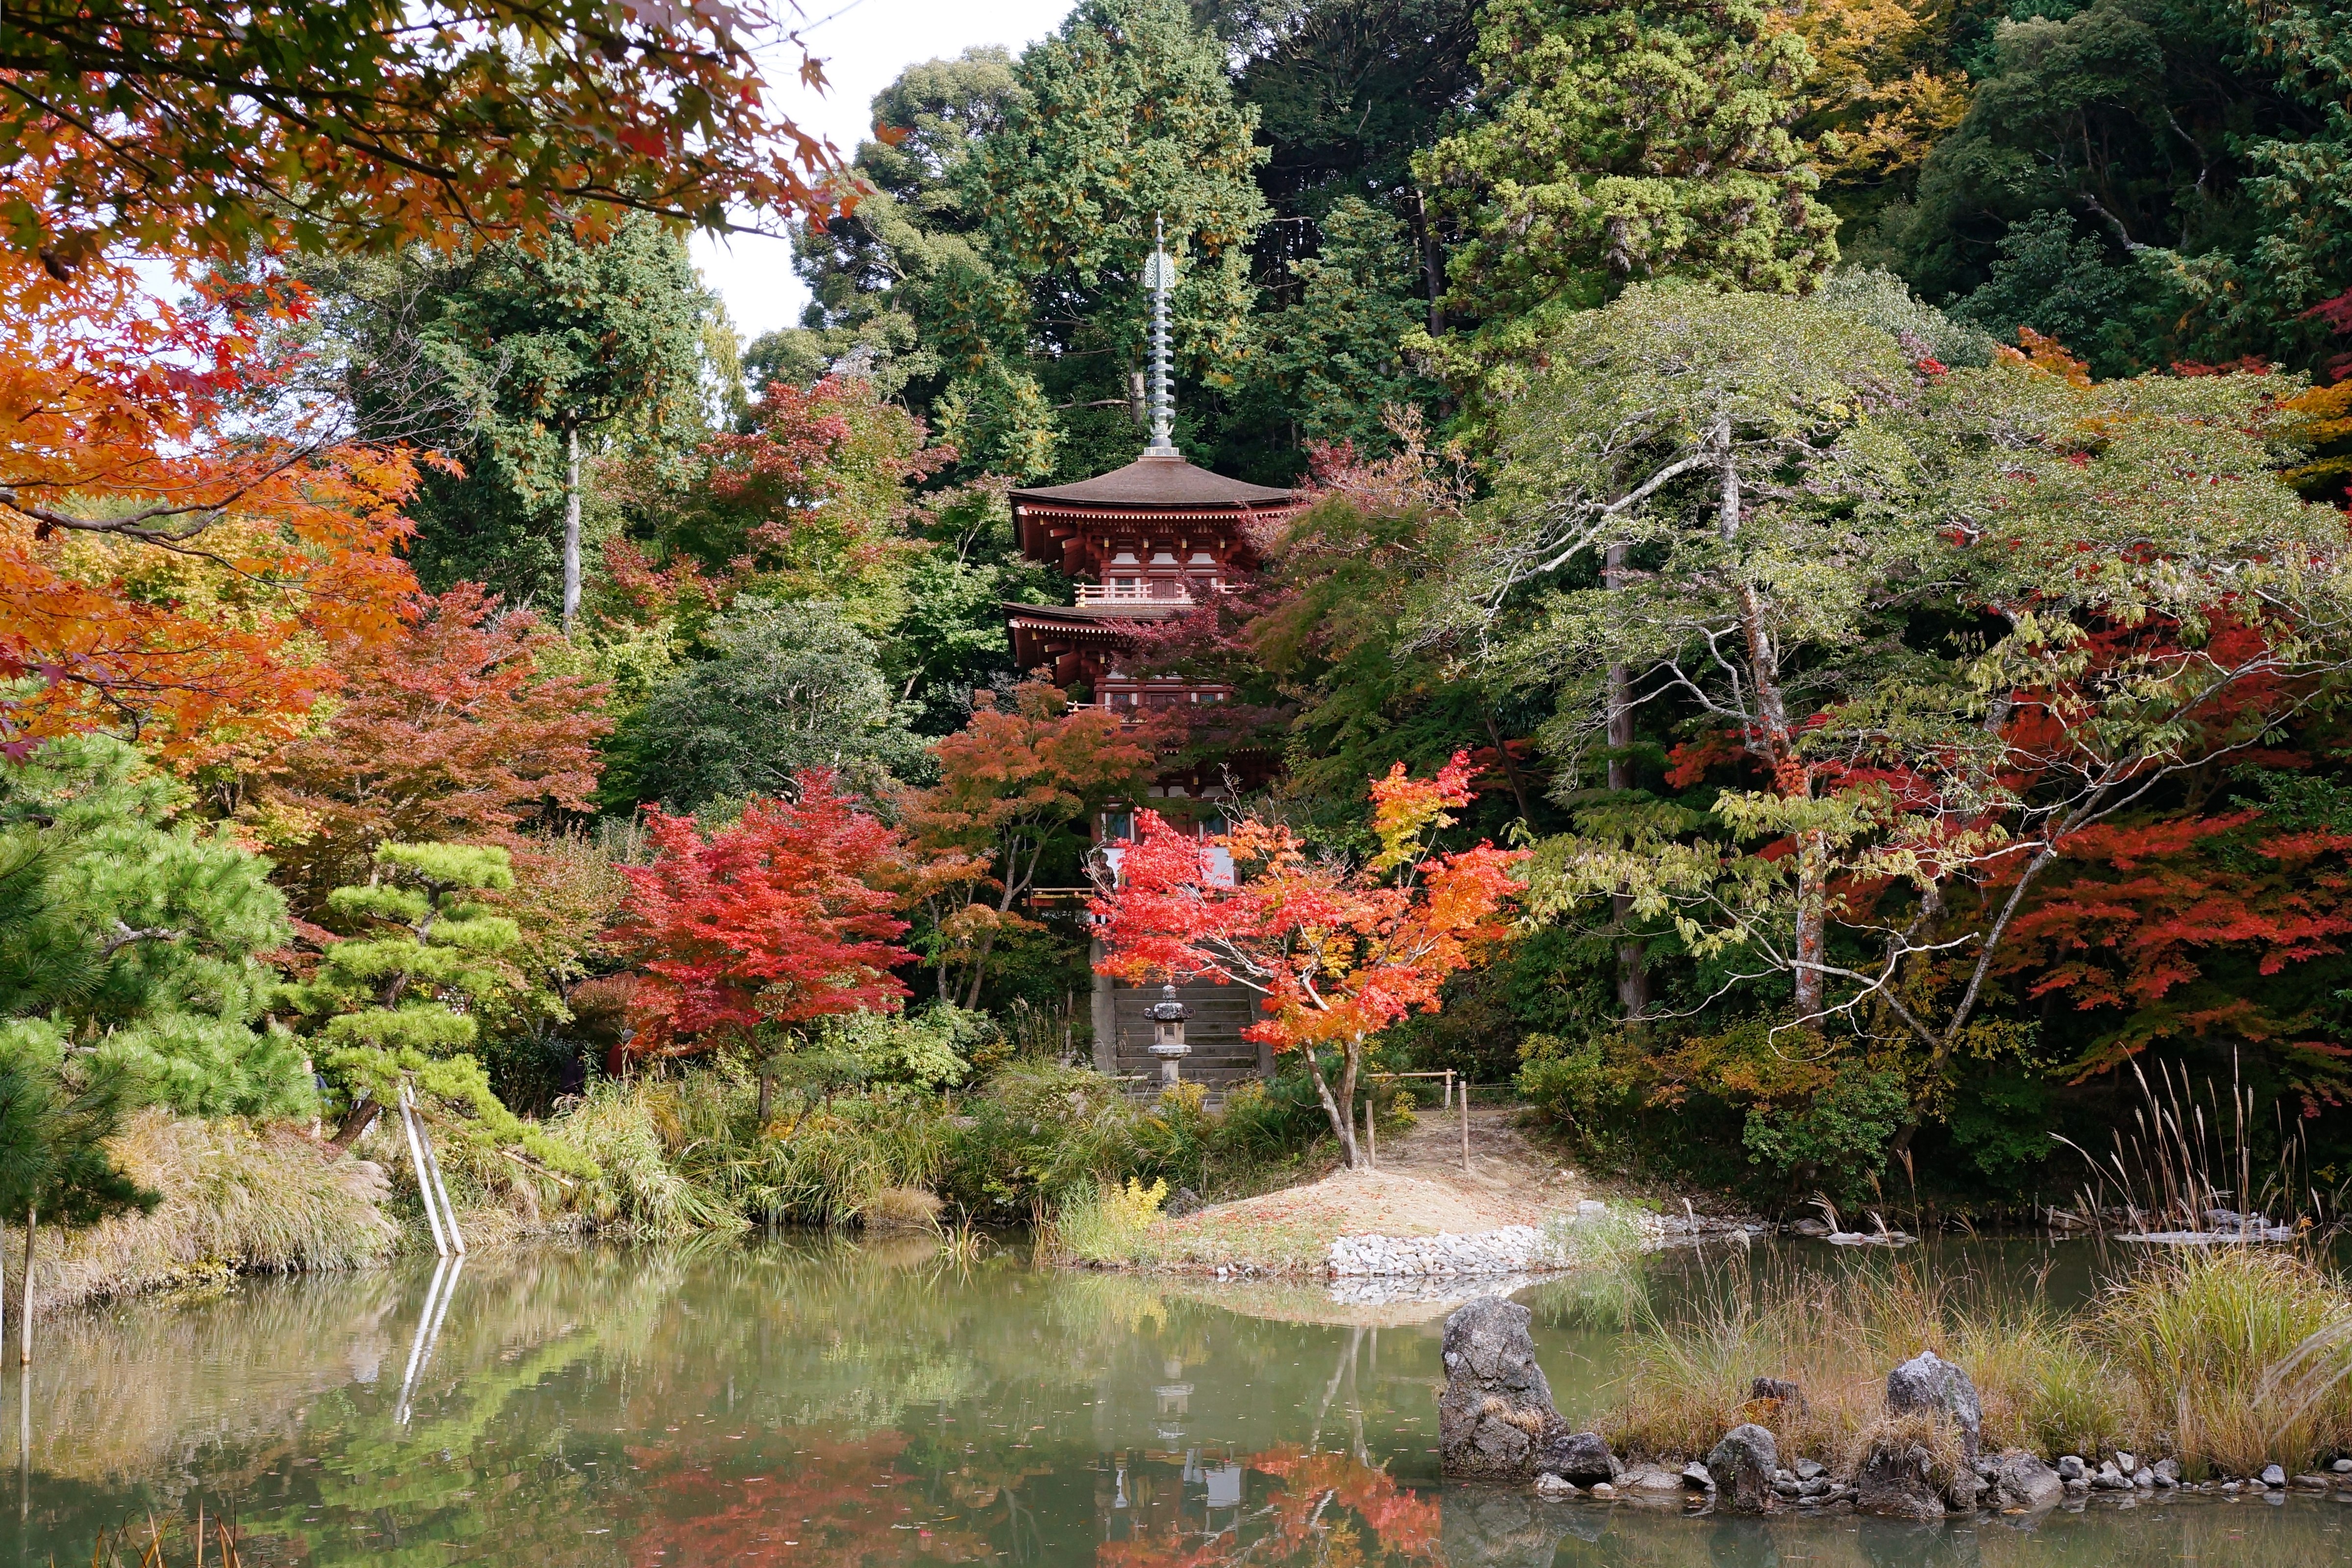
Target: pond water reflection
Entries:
(834, 1406)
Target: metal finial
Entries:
(1161, 275)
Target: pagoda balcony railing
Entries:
(1162, 591)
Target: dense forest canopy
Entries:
(1850, 496)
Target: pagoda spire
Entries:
(1159, 275)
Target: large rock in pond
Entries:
(1929, 1383)
(1495, 1420)
(2020, 1479)
(1742, 1466)
(1580, 1457)
(1898, 1482)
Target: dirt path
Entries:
(1417, 1187)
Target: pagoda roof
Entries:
(1157, 482)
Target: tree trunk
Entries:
(355, 1123)
(1790, 777)
(1343, 1119)
(1433, 263)
(766, 1089)
(1510, 768)
(1632, 970)
(571, 529)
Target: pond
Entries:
(840, 1406)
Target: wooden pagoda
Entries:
(1145, 542)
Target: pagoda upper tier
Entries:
(1144, 542)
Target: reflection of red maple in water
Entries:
(848, 1493)
(1318, 1491)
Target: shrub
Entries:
(1106, 1225)
(236, 1197)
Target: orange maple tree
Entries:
(369, 123)
(449, 731)
(184, 542)
(1337, 951)
(1013, 784)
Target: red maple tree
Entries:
(1337, 951)
(1013, 785)
(761, 926)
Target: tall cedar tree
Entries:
(749, 932)
(1011, 251)
(1618, 142)
(522, 360)
(1336, 952)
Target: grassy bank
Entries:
(2227, 1359)
(237, 1198)
(690, 1153)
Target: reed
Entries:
(2227, 1357)
(2189, 1161)
(153, 1547)
(2043, 1385)
(2241, 1351)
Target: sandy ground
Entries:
(1418, 1187)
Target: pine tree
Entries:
(1620, 141)
(400, 999)
(132, 931)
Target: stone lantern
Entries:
(1168, 1015)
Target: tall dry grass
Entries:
(237, 1198)
(2229, 1358)
(2241, 1352)
(1835, 1335)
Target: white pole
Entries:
(417, 1348)
(432, 1164)
(1466, 1127)
(424, 1180)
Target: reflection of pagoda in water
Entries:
(1145, 543)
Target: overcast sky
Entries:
(864, 43)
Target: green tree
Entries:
(786, 687)
(1125, 120)
(512, 358)
(995, 274)
(1335, 361)
(54, 1123)
(137, 933)
(1615, 143)
(2121, 137)
(402, 998)
(2303, 183)
(2062, 286)
(1926, 639)
(904, 287)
